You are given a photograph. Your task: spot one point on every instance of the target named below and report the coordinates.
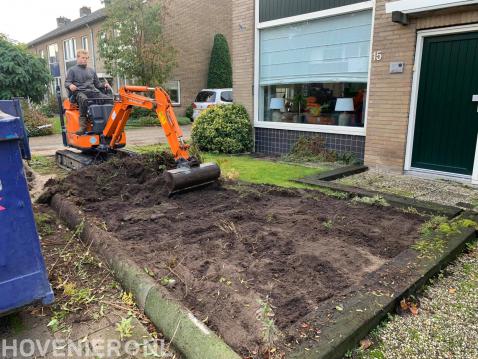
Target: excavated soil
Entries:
(230, 246)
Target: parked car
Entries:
(210, 97)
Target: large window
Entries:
(334, 104)
(53, 60)
(84, 43)
(174, 90)
(315, 72)
(54, 66)
(69, 50)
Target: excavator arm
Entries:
(161, 104)
(189, 172)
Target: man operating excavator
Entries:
(83, 84)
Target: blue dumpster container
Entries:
(23, 277)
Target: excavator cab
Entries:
(105, 135)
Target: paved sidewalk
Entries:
(48, 145)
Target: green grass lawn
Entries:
(45, 165)
(250, 169)
(261, 171)
(56, 125)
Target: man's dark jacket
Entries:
(84, 78)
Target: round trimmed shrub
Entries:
(224, 129)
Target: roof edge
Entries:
(94, 17)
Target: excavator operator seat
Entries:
(99, 115)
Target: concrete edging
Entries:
(188, 334)
(365, 311)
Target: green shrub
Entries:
(138, 112)
(34, 119)
(50, 107)
(220, 68)
(148, 121)
(223, 128)
(183, 120)
(189, 112)
(313, 148)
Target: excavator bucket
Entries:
(185, 178)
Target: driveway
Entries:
(48, 145)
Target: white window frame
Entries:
(84, 41)
(345, 130)
(421, 35)
(65, 60)
(56, 81)
(414, 6)
(179, 92)
(48, 53)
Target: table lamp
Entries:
(277, 106)
(343, 105)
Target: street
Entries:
(48, 145)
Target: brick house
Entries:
(391, 81)
(189, 25)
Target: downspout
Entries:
(92, 46)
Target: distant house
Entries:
(189, 25)
(395, 82)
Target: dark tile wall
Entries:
(278, 142)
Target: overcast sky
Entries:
(26, 20)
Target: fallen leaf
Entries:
(339, 308)
(365, 344)
(452, 290)
(403, 304)
(414, 309)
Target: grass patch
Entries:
(259, 171)
(372, 201)
(150, 148)
(435, 232)
(56, 125)
(43, 164)
(45, 224)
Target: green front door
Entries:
(446, 124)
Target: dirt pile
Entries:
(228, 251)
(136, 179)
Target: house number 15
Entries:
(377, 55)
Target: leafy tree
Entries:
(132, 43)
(22, 74)
(220, 68)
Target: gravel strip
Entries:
(447, 322)
(437, 190)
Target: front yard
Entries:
(263, 228)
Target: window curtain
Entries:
(334, 49)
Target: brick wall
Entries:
(390, 94)
(243, 53)
(191, 26)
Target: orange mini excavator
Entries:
(105, 135)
